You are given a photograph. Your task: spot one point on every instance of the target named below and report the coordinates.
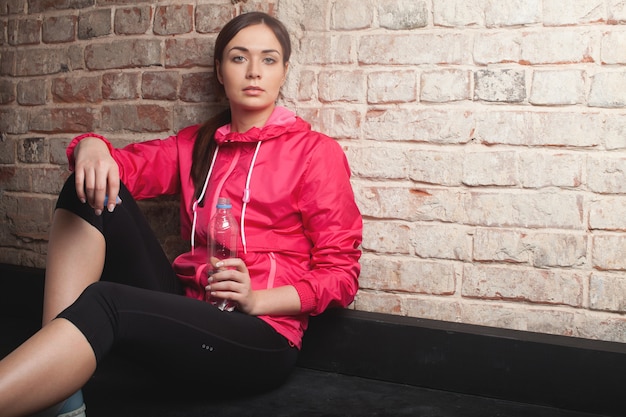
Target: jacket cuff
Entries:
(69, 152)
(308, 300)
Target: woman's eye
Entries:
(269, 60)
(238, 59)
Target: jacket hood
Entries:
(281, 121)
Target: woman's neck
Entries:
(243, 120)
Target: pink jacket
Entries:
(291, 193)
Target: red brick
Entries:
(76, 90)
(132, 20)
(197, 87)
(159, 85)
(94, 24)
(63, 120)
(58, 29)
(38, 6)
(210, 18)
(173, 19)
(127, 53)
(24, 32)
(119, 86)
(185, 53)
(136, 118)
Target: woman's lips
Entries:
(253, 90)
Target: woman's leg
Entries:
(188, 340)
(75, 259)
(85, 248)
(59, 355)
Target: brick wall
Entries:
(487, 138)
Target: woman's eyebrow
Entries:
(244, 49)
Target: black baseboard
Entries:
(556, 371)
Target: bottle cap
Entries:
(223, 203)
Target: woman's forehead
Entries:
(255, 38)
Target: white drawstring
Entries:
(195, 203)
(246, 198)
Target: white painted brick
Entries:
(380, 162)
(496, 48)
(570, 12)
(609, 251)
(436, 241)
(408, 275)
(500, 13)
(326, 49)
(614, 47)
(501, 245)
(445, 85)
(433, 308)
(532, 285)
(402, 14)
(414, 49)
(607, 292)
(615, 131)
(571, 87)
(538, 169)
(559, 250)
(564, 322)
(352, 15)
(391, 87)
(490, 168)
(341, 86)
(542, 250)
(386, 237)
(307, 86)
(608, 89)
(544, 209)
(412, 204)
(608, 213)
(457, 13)
(433, 166)
(415, 124)
(500, 85)
(617, 11)
(531, 128)
(378, 302)
(607, 173)
(559, 47)
(341, 122)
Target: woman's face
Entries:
(252, 70)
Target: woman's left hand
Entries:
(232, 282)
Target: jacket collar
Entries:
(279, 122)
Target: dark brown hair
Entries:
(205, 145)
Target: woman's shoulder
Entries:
(188, 133)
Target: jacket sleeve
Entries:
(148, 169)
(333, 223)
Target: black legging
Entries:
(138, 307)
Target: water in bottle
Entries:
(222, 243)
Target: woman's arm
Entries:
(234, 284)
(97, 174)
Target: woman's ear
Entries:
(218, 72)
(285, 75)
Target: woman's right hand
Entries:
(97, 174)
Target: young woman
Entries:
(110, 286)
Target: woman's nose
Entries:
(253, 71)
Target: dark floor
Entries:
(121, 389)
(117, 390)
(311, 393)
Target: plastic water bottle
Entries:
(222, 243)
